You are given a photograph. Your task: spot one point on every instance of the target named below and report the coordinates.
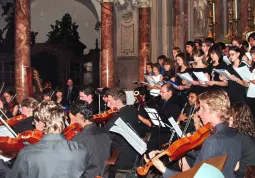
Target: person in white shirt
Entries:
(251, 88)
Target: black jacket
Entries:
(97, 140)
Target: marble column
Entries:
(107, 61)
(144, 40)
(22, 48)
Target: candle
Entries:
(236, 9)
(213, 12)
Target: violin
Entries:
(180, 147)
(14, 120)
(10, 147)
(100, 118)
(71, 130)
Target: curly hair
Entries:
(243, 119)
(83, 108)
(217, 100)
(52, 115)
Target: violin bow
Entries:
(14, 97)
(189, 119)
(2, 112)
(8, 127)
(2, 87)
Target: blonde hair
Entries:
(217, 100)
(29, 103)
(52, 115)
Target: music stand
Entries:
(156, 120)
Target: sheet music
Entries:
(223, 72)
(248, 54)
(4, 132)
(201, 77)
(244, 73)
(150, 80)
(135, 141)
(226, 60)
(185, 76)
(155, 118)
(175, 126)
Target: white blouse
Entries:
(251, 89)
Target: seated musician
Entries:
(27, 106)
(47, 94)
(53, 155)
(127, 157)
(10, 103)
(214, 109)
(191, 108)
(87, 93)
(95, 138)
(60, 97)
(243, 122)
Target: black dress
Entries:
(197, 88)
(236, 92)
(214, 75)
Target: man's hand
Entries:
(156, 162)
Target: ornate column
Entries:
(144, 37)
(107, 61)
(22, 48)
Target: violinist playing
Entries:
(96, 139)
(10, 104)
(53, 155)
(27, 107)
(191, 108)
(214, 109)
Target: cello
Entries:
(180, 147)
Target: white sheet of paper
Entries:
(150, 80)
(155, 118)
(201, 77)
(226, 60)
(175, 126)
(223, 72)
(133, 139)
(244, 72)
(4, 132)
(248, 54)
(185, 76)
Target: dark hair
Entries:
(47, 92)
(252, 35)
(169, 87)
(184, 58)
(252, 50)
(170, 62)
(88, 90)
(162, 57)
(58, 89)
(150, 64)
(9, 91)
(83, 108)
(207, 42)
(210, 39)
(158, 66)
(215, 49)
(245, 44)
(198, 41)
(221, 45)
(177, 49)
(118, 94)
(243, 120)
(200, 53)
(190, 43)
(235, 48)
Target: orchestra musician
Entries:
(60, 99)
(47, 94)
(127, 157)
(214, 109)
(53, 155)
(10, 103)
(27, 106)
(242, 121)
(96, 139)
(87, 93)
